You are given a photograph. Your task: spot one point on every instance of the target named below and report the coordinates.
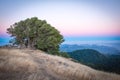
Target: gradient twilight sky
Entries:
(77, 20)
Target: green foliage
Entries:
(89, 57)
(64, 54)
(94, 59)
(35, 33)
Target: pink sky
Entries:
(73, 18)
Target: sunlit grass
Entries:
(28, 64)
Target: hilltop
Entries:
(26, 64)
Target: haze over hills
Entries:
(97, 60)
(99, 57)
(101, 48)
(26, 64)
(53, 22)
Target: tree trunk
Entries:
(29, 44)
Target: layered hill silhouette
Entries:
(107, 50)
(26, 64)
(97, 60)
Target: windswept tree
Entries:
(35, 33)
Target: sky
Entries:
(77, 20)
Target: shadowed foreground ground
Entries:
(28, 64)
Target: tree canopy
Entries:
(35, 33)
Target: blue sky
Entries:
(77, 20)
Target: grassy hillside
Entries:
(97, 60)
(28, 64)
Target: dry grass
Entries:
(28, 64)
(15, 65)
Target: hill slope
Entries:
(102, 49)
(97, 60)
(26, 64)
(88, 55)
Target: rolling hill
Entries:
(26, 64)
(102, 49)
(97, 60)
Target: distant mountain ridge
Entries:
(102, 49)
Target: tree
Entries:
(35, 33)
